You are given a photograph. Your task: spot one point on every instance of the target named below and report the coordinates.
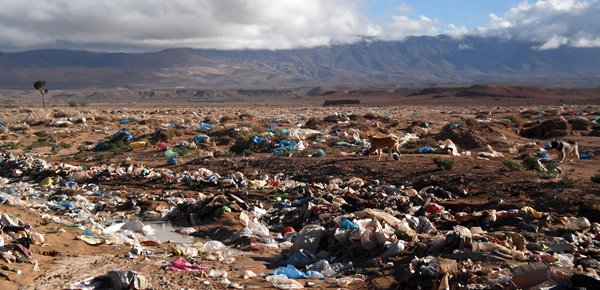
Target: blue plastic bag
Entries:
(200, 138)
(206, 126)
(348, 225)
(258, 140)
(291, 272)
(66, 204)
(301, 258)
(319, 153)
(126, 134)
(287, 144)
(425, 149)
(543, 154)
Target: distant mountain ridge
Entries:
(418, 61)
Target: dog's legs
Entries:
(379, 154)
(576, 150)
(564, 154)
(397, 147)
(390, 153)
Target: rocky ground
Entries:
(238, 176)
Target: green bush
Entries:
(554, 168)
(530, 162)
(9, 145)
(244, 145)
(444, 164)
(64, 145)
(511, 165)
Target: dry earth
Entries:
(64, 260)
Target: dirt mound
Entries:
(471, 134)
(580, 124)
(557, 127)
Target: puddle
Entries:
(166, 232)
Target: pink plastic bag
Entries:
(182, 265)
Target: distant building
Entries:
(340, 102)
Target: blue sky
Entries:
(150, 25)
(469, 13)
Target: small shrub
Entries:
(64, 145)
(244, 144)
(530, 162)
(9, 145)
(567, 180)
(444, 164)
(38, 143)
(554, 168)
(596, 178)
(511, 165)
(104, 157)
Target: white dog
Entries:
(567, 148)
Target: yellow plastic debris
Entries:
(47, 181)
(138, 144)
(531, 211)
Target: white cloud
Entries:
(587, 42)
(401, 26)
(552, 23)
(270, 24)
(554, 42)
(225, 24)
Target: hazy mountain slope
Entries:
(417, 60)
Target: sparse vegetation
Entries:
(64, 145)
(530, 162)
(38, 143)
(9, 145)
(244, 145)
(596, 178)
(567, 180)
(512, 165)
(442, 163)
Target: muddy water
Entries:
(166, 232)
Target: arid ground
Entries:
(342, 182)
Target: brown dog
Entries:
(378, 143)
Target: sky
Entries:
(152, 25)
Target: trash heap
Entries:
(339, 232)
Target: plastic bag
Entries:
(214, 246)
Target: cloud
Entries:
(551, 23)
(554, 42)
(146, 25)
(223, 24)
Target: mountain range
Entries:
(415, 61)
